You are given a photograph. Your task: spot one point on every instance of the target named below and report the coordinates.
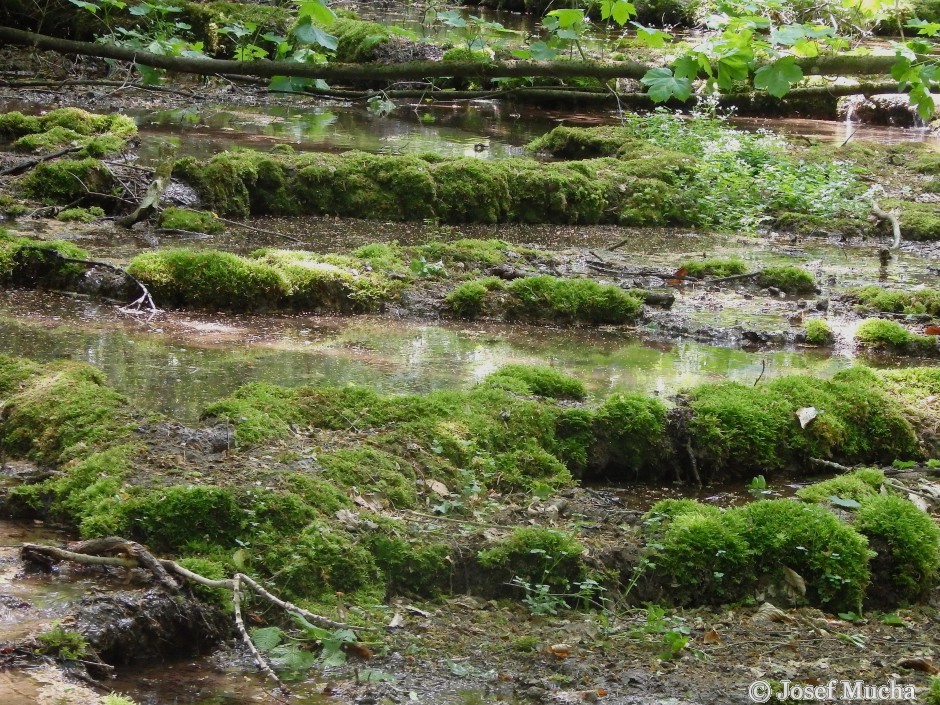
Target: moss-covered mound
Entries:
(817, 332)
(713, 267)
(97, 135)
(751, 430)
(267, 279)
(916, 301)
(545, 298)
(31, 263)
(891, 337)
(919, 221)
(285, 508)
(354, 184)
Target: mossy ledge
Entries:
(520, 430)
(461, 190)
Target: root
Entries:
(117, 552)
(891, 218)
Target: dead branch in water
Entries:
(891, 218)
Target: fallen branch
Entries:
(29, 164)
(145, 298)
(830, 465)
(820, 65)
(891, 218)
(246, 638)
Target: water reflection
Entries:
(180, 364)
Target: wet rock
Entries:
(822, 303)
(180, 194)
(129, 626)
(106, 283)
(893, 109)
(398, 50)
(507, 272)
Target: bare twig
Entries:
(891, 218)
(261, 230)
(27, 165)
(240, 624)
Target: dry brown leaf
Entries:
(711, 637)
(559, 650)
(924, 665)
(438, 488)
(768, 613)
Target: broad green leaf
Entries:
(777, 78)
(788, 35)
(317, 11)
(140, 10)
(924, 28)
(307, 33)
(90, 6)
(452, 18)
(921, 98)
(807, 48)
(567, 17)
(542, 51)
(266, 638)
(662, 85)
(618, 10)
(289, 84)
(904, 72)
(843, 502)
(150, 76)
(292, 659)
(567, 34)
(730, 69)
(650, 36)
(686, 67)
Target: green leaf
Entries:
(567, 17)
(893, 620)
(292, 659)
(316, 11)
(650, 36)
(266, 638)
(924, 28)
(312, 35)
(452, 18)
(90, 6)
(730, 69)
(686, 67)
(662, 85)
(777, 78)
(920, 97)
(542, 51)
(843, 502)
(622, 11)
(807, 48)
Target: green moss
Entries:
(582, 142)
(319, 493)
(382, 257)
(856, 485)
(892, 337)
(32, 263)
(916, 301)
(65, 413)
(830, 556)
(705, 557)
(178, 517)
(470, 191)
(321, 560)
(209, 279)
(357, 40)
(630, 441)
(714, 267)
(207, 568)
(259, 411)
(14, 372)
(754, 430)
(528, 468)
(818, 332)
(932, 696)
(542, 381)
(373, 471)
(537, 556)
(468, 300)
(571, 301)
(62, 643)
(918, 221)
(908, 545)
(554, 193)
(666, 510)
(410, 566)
(15, 124)
(80, 215)
(68, 181)
(473, 253)
(191, 221)
(789, 279)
